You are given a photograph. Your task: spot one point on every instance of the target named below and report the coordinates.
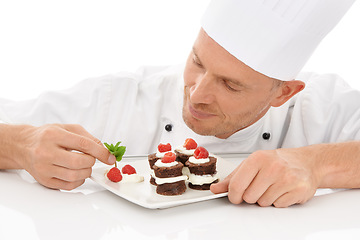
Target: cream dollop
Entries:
(183, 150)
(202, 179)
(185, 171)
(199, 161)
(161, 154)
(169, 180)
(132, 178)
(159, 163)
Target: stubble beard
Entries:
(222, 127)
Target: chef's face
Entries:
(222, 95)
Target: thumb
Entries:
(222, 186)
(94, 146)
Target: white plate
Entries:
(144, 193)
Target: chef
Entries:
(240, 91)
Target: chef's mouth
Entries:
(200, 114)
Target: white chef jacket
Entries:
(135, 108)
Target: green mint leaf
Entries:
(117, 151)
(107, 146)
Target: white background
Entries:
(50, 45)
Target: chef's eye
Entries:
(196, 62)
(229, 86)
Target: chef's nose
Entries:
(203, 89)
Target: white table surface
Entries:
(31, 211)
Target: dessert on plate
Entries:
(202, 170)
(152, 158)
(168, 176)
(183, 152)
(188, 162)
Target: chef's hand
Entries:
(60, 156)
(281, 177)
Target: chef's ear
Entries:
(285, 91)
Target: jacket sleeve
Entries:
(327, 111)
(85, 103)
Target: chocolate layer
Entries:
(181, 157)
(202, 187)
(166, 172)
(171, 189)
(152, 181)
(203, 168)
(152, 159)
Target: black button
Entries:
(168, 127)
(266, 136)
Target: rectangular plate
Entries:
(144, 193)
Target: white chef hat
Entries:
(273, 37)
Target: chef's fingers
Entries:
(70, 175)
(55, 183)
(284, 195)
(73, 160)
(223, 185)
(58, 177)
(259, 185)
(286, 200)
(244, 176)
(274, 192)
(73, 141)
(78, 129)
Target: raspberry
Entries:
(168, 157)
(164, 147)
(114, 175)
(200, 153)
(190, 144)
(128, 169)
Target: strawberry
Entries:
(190, 144)
(164, 147)
(169, 157)
(201, 152)
(128, 169)
(114, 175)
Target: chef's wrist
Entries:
(340, 165)
(307, 160)
(12, 148)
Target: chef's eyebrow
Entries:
(234, 81)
